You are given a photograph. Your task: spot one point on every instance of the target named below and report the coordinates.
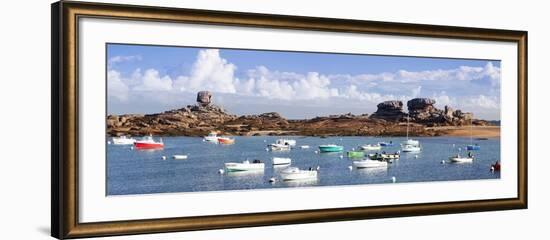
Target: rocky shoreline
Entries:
(204, 117)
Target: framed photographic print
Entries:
(168, 119)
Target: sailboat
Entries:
(410, 145)
(472, 146)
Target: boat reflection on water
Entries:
(300, 182)
(257, 172)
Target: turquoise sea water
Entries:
(131, 171)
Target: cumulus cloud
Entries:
(463, 73)
(116, 87)
(212, 72)
(120, 59)
(152, 81)
(209, 72)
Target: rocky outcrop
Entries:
(204, 117)
(390, 111)
(422, 110)
(204, 98)
(190, 120)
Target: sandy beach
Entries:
(465, 131)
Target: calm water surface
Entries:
(131, 171)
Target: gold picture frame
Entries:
(65, 114)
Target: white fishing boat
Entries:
(458, 159)
(281, 161)
(411, 142)
(278, 147)
(371, 147)
(370, 164)
(461, 159)
(246, 165)
(304, 147)
(211, 137)
(410, 148)
(410, 145)
(179, 157)
(288, 142)
(294, 173)
(123, 140)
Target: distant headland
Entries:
(390, 119)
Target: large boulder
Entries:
(389, 110)
(204, 98)
(421, 109)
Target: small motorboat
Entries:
(384, 156)
(304, 147)
(331, 148)
(371, 147)
(411, 142)
(386, 144)
(226, 140)
(288, 142)
(411, 148)
(281, 161)
(278, 147)
(356, 154)
(294, 173)
(148, 143)
(246, 165)
(473, 147)
(211, 137)
(179, 157)
(495, 166)
(458, 159)
(123, 140)
(366, 163)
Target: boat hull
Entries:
(461, 160)
(281, 161)
(331, 148)
(370, 164)
(238, 167)
(147, 145)
(473, 147)
(123, 141)
(226, 141)
(355, 154)
(299, 175)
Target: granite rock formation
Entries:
(204, 117)
(390, 110)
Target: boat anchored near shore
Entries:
(148, 143)
(123, 140)
(331, 148)
(295, 174)
(246, 165)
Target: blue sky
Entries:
(147, 79)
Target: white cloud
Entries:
(212, 72)
(152, 81)
(287, 85)
(116, 87)
(463, 73)
(209, 72)
(119, 59)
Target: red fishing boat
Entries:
(496, 166)
(226, 140)
(148, 143)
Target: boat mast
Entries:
(471, 130)
(407, 126)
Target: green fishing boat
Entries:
(331, 148)
(356, 154)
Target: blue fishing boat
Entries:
(331, 148)
(472, 147)
(386, 144)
